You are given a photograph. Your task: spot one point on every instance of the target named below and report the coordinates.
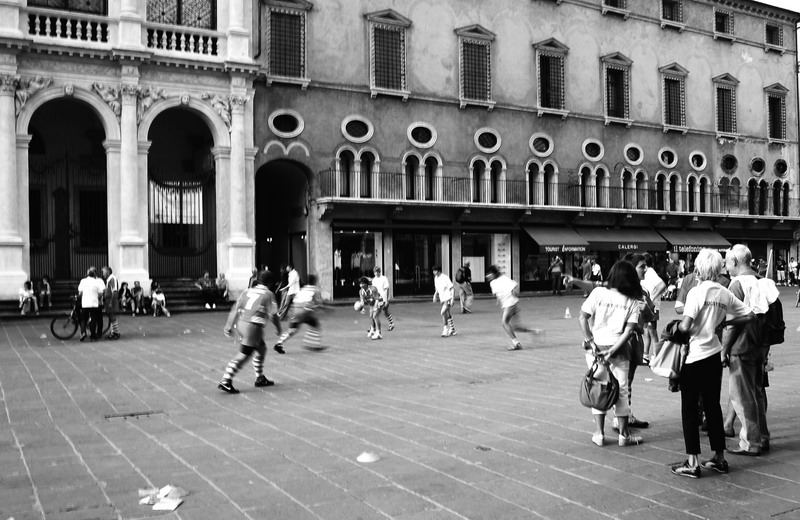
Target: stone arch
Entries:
(103, 111)
(478, 185)
(369, 149)
(276, 149)
(411, 153)
(219, 130)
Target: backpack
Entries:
(460, 275)
(772, 324)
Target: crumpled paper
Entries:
(168, 498)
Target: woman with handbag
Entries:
(708, 305)
(608, 317)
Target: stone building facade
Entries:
(494, 132)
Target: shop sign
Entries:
(501, 254)
(628, 247)
(564, 249)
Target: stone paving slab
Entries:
(463, 428)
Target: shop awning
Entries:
(557, 239)
(692, 241)
(601, 239)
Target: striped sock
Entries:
(258, 363)
(312, 338)
(115, 327)
(450, 324)
(390, 319)
(233, 366)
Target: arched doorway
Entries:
(68, 205)
(282, 215)
(181, 196)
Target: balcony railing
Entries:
(67, 25)
(489, 190)
(182, 40)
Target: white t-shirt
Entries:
(654, 286)
(503, 287)
(758, 292)
(709, 304)
(293, 282)
(91, 289)
(596, 270)
(382, 284)
(444, 287)
(611, 311)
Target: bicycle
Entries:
(65, 327)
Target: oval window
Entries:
(357, 129)
(667, 157)
(634, 154)
(758, 165)
(541, 144)
(487, 140)
(729, 163)
(421, 135)
(781, 167)
(286, 123)
(593, 149)
(698, 160)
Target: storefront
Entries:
(608, 246)
(481, 250)
(539, 246)
(356, 252)
(415, 254)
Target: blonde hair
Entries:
(708, 264)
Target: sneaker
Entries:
(598, 438)
(208, 306)
(83, 337)
(227, 386)
(685, 470)
(213, 305)
(445, 332)
(451, 332)
(630, 440)
(278, 347)
(515, 346)
(370, 332)
(376, 336)
(633, 422)
(720, 466)
(391, 328)
(262, 381)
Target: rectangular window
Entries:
(672, 10)
(551, 81)
(286, 44)
(723, 22)
(620, 4)
(774, 35)
(616, 93)
(475, 75)
(673, 102)
(191, 13)
(36, 213)
(777, 116)
(726, 110)
(84, 6)
(92, 218)
(389, 49)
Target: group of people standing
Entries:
(723, 324)
(98, 294)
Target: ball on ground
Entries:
(357, 306)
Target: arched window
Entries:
(550, 185)
(724, 205)
(345, 173)
(763, 197)
(752, 197)
(628, 190)
(785, 201)
(478, 172)
(412, 167)
(495, 182)
(535, 184)
(692, 194)
(431, 167)
(587, 187)
(602, 181)
(704, 195)
(642, 201)
(367, 169)
(735, 193)
(674, 184)
(661, 186)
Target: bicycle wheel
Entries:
(63, 327)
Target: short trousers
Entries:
(250, 334)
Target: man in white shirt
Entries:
(292, 288)
(90, 292)
(507, 292)
(444, 291)
(655, 287)
(381, 283)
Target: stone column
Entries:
(240, 245)
(238, 35)
(9, 18)
(12, 274)
(130, 26)
(132, 202)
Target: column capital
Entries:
(8, 83)
(221, 152)
(23, 141)
(250, 153)
(144, 147)
(112, 145)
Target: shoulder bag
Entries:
(596, 393)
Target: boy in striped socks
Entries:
(304, 309)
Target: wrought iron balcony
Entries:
(420, 189)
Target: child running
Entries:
(373, 302)
(304, 310)
(445, 293)
(250, 314)
(381, 283)
(507, 292)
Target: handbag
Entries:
(668, 361)
(596, 393)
